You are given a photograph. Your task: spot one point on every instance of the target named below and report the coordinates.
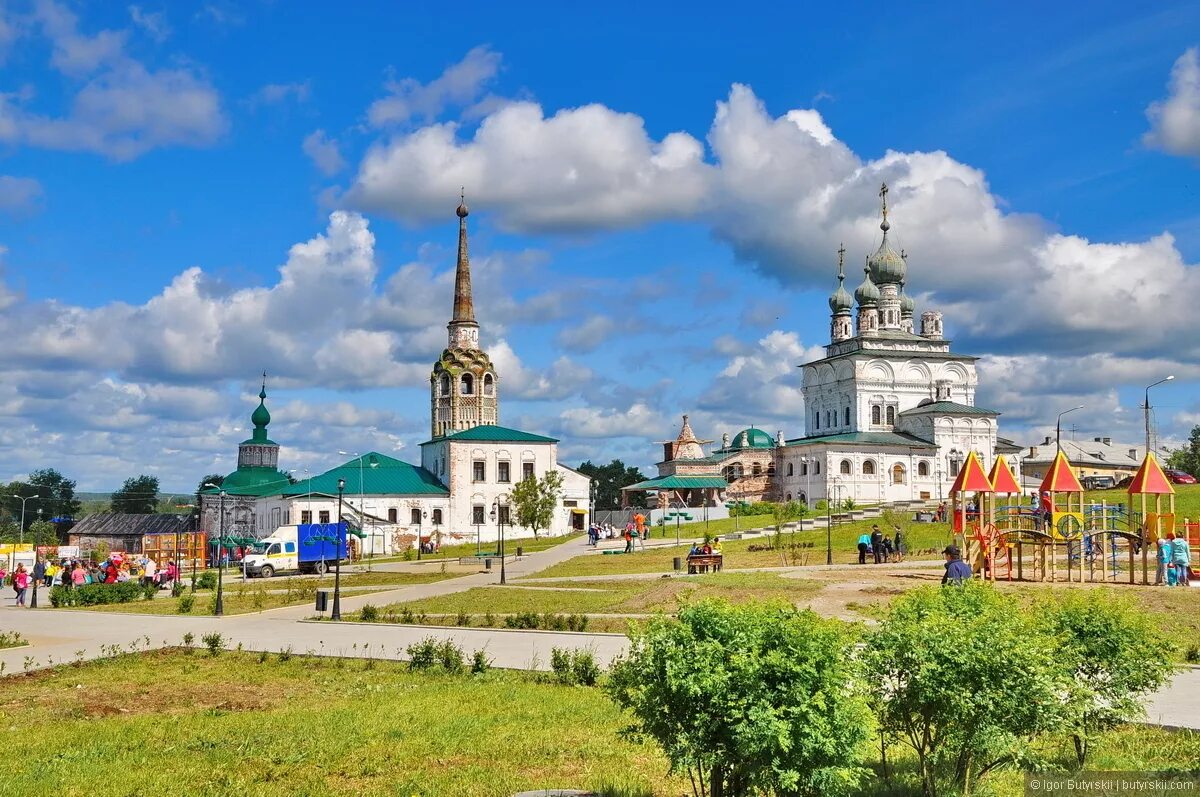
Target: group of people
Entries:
(70, 573)
(1174, 561)
(882, 547)
(706, 548)
(635, 529)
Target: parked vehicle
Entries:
(1098, 482)
(1179, 476)
(308, 548)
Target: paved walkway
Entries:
(60, 637)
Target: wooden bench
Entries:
(701, 563)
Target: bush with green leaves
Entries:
(966, 679)
(748, 698)
(1114, 655)
(214, 642)
(528, 620)
(430, 653)
(480, 663)
(368, 613)
(98, 594)
(185, 604)
(207, 580)
(574, 667)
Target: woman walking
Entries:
(21, 583)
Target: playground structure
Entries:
(1059, 536)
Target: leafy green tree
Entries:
(40, 532)
(784, 512)
(535, 501)
(747, 698)
(55, 496)
(212, 478)
(1187, 457)
(609, 479)
(966, 679)
(1114, 655)
(137, 496)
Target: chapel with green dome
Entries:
(258, 457)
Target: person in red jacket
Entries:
(110, 572)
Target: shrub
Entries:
(577, 622)
(406, 615)
(747, 696)
(1114, 657)
(149, 591)
(188, 639)
(185, 604)
(408, 555)
(212, 604)
(450, 656)
(422, 655)
(285, 653)
(1192, 656)
(489, 620)
(526, 620)
(462, 619)
(368, 613)
(554, 622)
(97, 594)
(584, 668)
(745, 509)
(214, 642)
(176, 588)
(966, 679)
(480, 663)
(207, 580)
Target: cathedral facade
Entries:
(889, 411)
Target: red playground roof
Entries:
(972, 479)
(1060, 478)
(1150, 479)
(1002, 479)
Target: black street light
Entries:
(420, 531)
(220, 608)
(1058, 427)
(499, 520)
(336, 614)
(829, 522)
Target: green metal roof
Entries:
(898, 439)
(679, 483)
(253, 482)
(948, 408)
(380, 474)
(495, 434)
(755, 438)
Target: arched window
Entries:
(727, 472)
(392, 515)
(891, 415)
(897, 474)
(828, 418)
(922, 468)
(445, 384)
(467, 385)
(756, 469)
(876, 415)
(846, 421)
(771, 469)
(437, 516)
(489, 385)
(869, 467)
(737, 471)
(846, 466)
(803, 468)
(787, 497)
(802, 498)
(791, 469)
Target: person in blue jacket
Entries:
(1181, 557)
(864, 547)
(1163, 551)
(957, 571)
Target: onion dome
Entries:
(751, 438)
(907, 305)
(886, 264)
(260, 417)
(840, 301)
(867, 294)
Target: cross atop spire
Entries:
(263, 393)
(841, 261)
(883, 192)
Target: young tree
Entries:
(781, 513)
(747, 698)
(137, 496)
(1114, 656)
(536, 499)
(966, 679)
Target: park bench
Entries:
(701, 563)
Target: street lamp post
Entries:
(829, 522)
(21, 531)
(1147, 407)
(336, 614)
(498, 519)
(220, 608)
(1058, 424)
(362, 511)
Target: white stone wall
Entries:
(864, 487)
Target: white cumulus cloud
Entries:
(1175, 121)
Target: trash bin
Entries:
(520, 551)
(322, 600)
(678, 562)
(487, 564)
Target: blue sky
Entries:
(656, 201)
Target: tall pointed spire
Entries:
(464, 307)
(464, 330)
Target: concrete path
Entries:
(58, 637)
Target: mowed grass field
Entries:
(176, 723)
(635, 597)
(173, 723)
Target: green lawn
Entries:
(528, 544)
(606, 597)
(188, 724)
(172, 723)
(1187, 500)
(919, 536)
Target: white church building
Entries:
(461, 491)
(890, 411)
